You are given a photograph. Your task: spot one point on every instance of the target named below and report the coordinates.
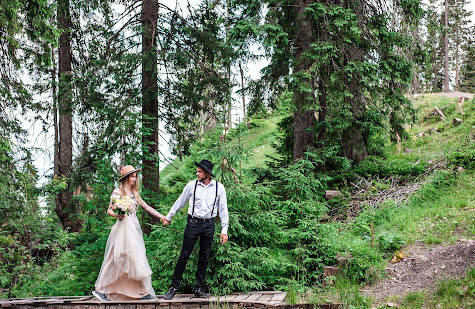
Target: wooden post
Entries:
(327, 272)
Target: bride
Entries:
(125, 272)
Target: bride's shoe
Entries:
(148, 297)
(100, 296)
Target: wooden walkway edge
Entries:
(262, 299)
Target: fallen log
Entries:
(330, 194)
(457, 121)
(442, 116)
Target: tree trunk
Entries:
(64, 208)
(243, 94)
(457, 46)
(150, 160)
(322, 114)
(354, 146)
(446, 48)
(228, 73)
(55, 113)
(303, 117)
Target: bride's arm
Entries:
(111, 213)
(149, 209)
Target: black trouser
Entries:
(195, 228)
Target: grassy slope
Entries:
(258, 140)
(432, 216)
(437, 214)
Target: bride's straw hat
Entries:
(127, 170)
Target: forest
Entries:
(371, 100)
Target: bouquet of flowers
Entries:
(122, 205)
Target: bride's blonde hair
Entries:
(134, 188)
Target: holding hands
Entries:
(165, 222)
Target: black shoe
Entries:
(100, 296)
(169, 295)
(148, 297)
(201, 294)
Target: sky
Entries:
(44, 157)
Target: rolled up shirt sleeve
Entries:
(223, 211)
(180, 202)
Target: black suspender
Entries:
(214, 203)
(194, 194)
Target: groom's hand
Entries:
(224, 238)
(165, 221)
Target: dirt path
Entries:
(422, 267)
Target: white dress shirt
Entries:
(204, 200)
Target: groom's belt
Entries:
(190, 217)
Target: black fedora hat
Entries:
(206, 165)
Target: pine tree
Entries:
(460, 21)
(446, 47)
(467, 71)
(303, 91)
(343, 78)
(64, 206)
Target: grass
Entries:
(258, 140)
(441, 212)
(436, 213)
(435, 145)
(452, 293)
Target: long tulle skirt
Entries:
(125, 272)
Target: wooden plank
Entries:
(278, 298)
(229, 297)
(70, 300)
(265, 298)
(179, 297)
(241, 297)
(266, 292)
(253, 297)
(164, 304)
(47, 301)
(212, 299)
(181, 300)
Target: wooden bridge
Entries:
(269, 299)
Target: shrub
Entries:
(394, 166)
(464, 155)
(389, 242)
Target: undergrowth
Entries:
(282, 232)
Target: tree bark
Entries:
(55, 113)
(353, 141)
(228, 73)
(446, 48)
(64, 208)
(303, 117)
(322, 114)
(243, 95)
(150, 159)
(457, 46)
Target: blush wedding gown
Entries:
(125, 272)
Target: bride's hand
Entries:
(165, 221)
(120, 217)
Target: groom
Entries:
(207, 199)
